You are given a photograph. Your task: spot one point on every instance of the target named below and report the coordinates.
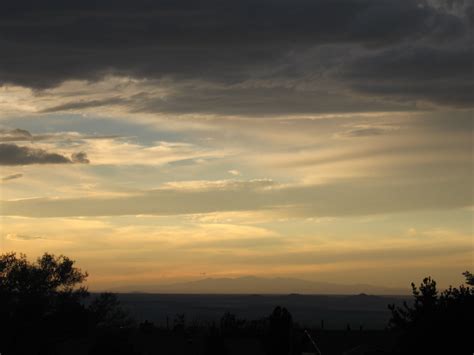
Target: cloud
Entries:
(367, 130)
(12, 154)
(84, 104)
(442, 75)
(115, 96)
(23, 237)
(15, 135)
(234, 172)
(347, 198)
(22, 135)
(235, 42)
(367, 254)
(80, 157)
(12, 177)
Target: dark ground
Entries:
(336, 311)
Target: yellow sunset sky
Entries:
(313, 153)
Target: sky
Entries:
(163, 141)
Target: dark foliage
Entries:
(436, 322)
(106, 312)
(42, 305)
(39, 301)
(44, 309)
(280, 332)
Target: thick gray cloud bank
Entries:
(12, 154)
(404, 50)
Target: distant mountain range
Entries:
(259, 285)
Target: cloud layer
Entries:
(293, 50)
(341, 199)
(12, 177)
(322, 138)
(12, 154)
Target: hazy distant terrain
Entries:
(254, 297)
(337, 310)
(258, 285)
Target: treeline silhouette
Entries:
(46, 310)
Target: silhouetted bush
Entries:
(280, 331)
(436, 322)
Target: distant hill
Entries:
(259, 285)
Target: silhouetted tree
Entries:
(39, 301)
(228, 323)
(44, 279)
(113, 342)
(215, 343)
(280, 326)
(112, 325)
(107, 312)
(436, 322)
(42, 304)
(231, 325)
(146, 327)
(469, 278)
(179, 323)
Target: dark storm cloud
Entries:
(422, 63)
(443, 75)
(12, 154)
(281, 99)
(45, 43)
